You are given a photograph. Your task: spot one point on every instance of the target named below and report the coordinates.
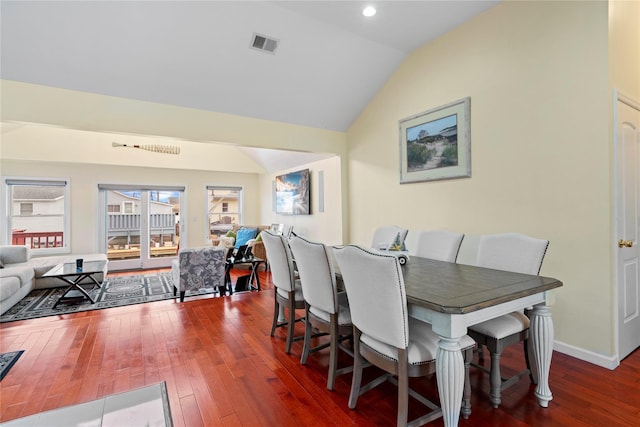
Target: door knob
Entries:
(625, 243)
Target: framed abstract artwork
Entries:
(292, 193)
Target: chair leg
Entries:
(306, 347)
(480, 352)
(292, 321)
(356, 379)
(528, 356)
(182, 296)
(276, 310)
(495, 379)
(333, 352)
(403, 388)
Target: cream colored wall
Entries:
(624, 46)
(84, 180)
(133, 120)
(537, 76)
(23, 102)
(55, 144)
(324, 226)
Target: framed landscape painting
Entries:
(436, 144)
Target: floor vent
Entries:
(264, 43)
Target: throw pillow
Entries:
(231, 233)
(259, 238)
(244, 235)
(227, 242)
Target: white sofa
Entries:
(20, 273)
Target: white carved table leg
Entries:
(450, 376)
(541, 338)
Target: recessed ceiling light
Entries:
(369, 11)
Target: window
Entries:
(37, 213)
(224, 209)
(113, 208)
(128, 207)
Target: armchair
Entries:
(197, 268)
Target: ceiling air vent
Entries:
(264, 43)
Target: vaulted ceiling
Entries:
(329, 62)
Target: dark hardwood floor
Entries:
(222, 368)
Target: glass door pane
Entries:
(142, 228)
(124, 228)
(164, 233)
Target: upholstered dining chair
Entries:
(288, 290)
(442, 245)
(521, 254)
(326, 310)
(384, 237)
(384, 335)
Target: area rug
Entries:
(114, 292)
(7, 360)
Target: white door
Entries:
(141, 228)
(627, 140)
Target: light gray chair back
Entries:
(376, 292)
(280, 260)
(440, 245)
(384, 237)
(317, 275)
(511, 252)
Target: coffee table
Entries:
(73, 276)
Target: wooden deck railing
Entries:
(135, 252)
(37, 240)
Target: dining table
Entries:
(452, 297)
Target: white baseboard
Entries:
(609, 362)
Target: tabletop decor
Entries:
(436, 144)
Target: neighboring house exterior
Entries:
(38, 209)
(224, 210)
(122, 203)
(124, 219)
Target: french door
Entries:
(140, 225)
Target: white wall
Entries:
(537, 75)
(323, 226)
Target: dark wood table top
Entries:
(458, 289)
